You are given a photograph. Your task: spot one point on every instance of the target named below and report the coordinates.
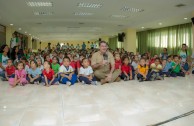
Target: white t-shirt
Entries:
(86, 71)
(41, 67)
(183, 55)
(26, 68)
(64, 69)
(13, 42)
(134, 64)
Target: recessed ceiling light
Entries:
(119, 16)
(29, 34)
(83, 14)
(40, 4)
(142, 27)
(160, 23)
(19, 29)
(11, 24)
(43, 13)
(185, 18)
(125, 8)
(90, 5)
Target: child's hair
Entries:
(20, 62)
(157, 59)
(56, 58)
(144, 60)
(10, 60)
(125, 57)
(48, 64)
(169, 57)
(24, 58)
(66, 58)
(39, 59)
(83, 60)
(34, 62)
(175, 56)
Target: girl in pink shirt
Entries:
(20, 76)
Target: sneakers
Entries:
(68, 83)
(83, 82)
(140, 79)
(37, 82)
(4, 79)
(57, 83)
(94, 82)
(126, 78)
(159, 78)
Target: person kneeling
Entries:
(86, 73)
(66, 73)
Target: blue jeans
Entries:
(54, 81)
(86, 80)
(64, 80)
(2, 74)
(181, 74)
(139, 76)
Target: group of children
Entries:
(69, 69)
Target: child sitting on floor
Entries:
(176, 67)
(126, 70)
(20, 76)
(86, 73)
(66, 73)
(34, 73)
(142, 70)
(9, 70)
(49, 75)
(156, 68)
(118, 62)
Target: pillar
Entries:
(29, 42)
(130, 41)
(9, 32)
(105, 38)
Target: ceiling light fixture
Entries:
(125, 8)
(119, 16)
(83, 14)
(90, 5)
(185, 18)
(40, 4)
(160, 23)
(19, 29)
(142, 27)
(43, 13)
(11, 24)
(25, 32)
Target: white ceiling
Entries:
(63, 25)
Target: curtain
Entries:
(113, 42)
(172, 38)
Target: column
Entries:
(29, 42)
(105, 38)
(9, 32)
(130, 41)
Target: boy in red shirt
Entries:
(9, 70)
(126, 70)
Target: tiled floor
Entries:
(118, 104)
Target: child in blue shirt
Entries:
(34, 73)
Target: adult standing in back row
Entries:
(83, 46)
(103, 65)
